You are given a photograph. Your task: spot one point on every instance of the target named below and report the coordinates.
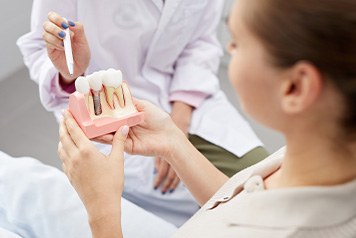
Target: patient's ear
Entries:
(301, 88)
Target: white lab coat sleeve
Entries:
(197, 65)
(34, 52)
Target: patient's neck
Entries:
(314, 160)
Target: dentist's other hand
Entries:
(98, 179)
(166, 178)
(53, 34)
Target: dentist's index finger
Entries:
(57, 20)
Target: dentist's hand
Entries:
(54, 34)
(97, 178)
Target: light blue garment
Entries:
(7, 234)
(37, 201)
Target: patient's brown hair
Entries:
(322, 32)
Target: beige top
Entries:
(243, 208)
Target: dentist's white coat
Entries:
(161, 51)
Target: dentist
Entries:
(169, 55)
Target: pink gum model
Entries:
(99, 126)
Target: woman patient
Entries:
(294, 68)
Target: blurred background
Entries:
(26, 129)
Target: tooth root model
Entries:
(120, 95)
(112, 81)
(95, 83)
(82, 86)
(128, 98)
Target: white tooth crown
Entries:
(112, 78)
(117, 95)
(82, 85)
(95, 80)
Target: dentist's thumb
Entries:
(118, 142)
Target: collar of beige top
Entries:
(236, 184)
(309, 207)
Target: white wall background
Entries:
(14, 22)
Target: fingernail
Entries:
(155, 188)
(71, 23)
(155, 171)
(124, 130)
(163, 193)
(62, 34)
(171, 191)
(64, 25)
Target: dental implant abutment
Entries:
(95, 83)
(97, 103)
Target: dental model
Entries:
(99, 109)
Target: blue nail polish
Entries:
(62, 34)
(155, 188)
(64, 25)
(155, 171)
(71, 23)
(171, 191)
(163, 193)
